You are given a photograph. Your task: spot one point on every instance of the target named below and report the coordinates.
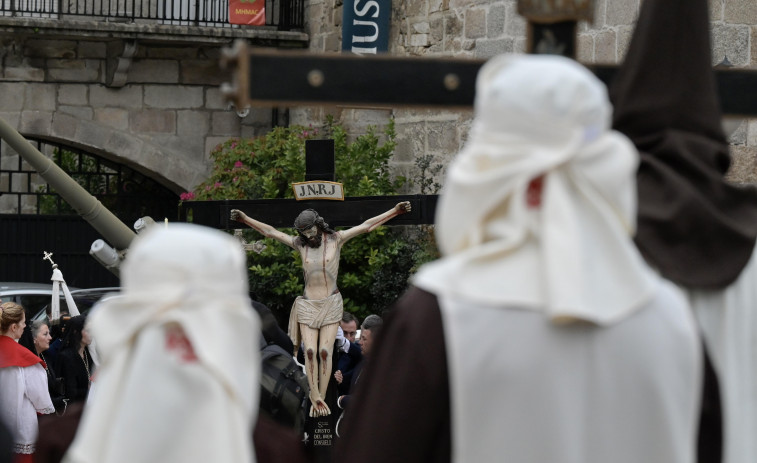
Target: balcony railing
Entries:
(283, 14)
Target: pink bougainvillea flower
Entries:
(238, 164)
(187, 196)
(218, 185)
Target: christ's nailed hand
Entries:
(237, 215)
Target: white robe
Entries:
(24, 394)
(528, 390)
(728, 319)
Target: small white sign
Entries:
(318, 190)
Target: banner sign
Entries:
(365, 26)
(249, 12)
(318, 190)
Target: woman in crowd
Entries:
(23, 383)
(41, 338)
(75, 363)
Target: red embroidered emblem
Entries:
(533, 193)
(178, 343)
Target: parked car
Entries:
(37, 297)
(84, 299)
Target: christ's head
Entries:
(311, 226)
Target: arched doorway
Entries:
(34, 218)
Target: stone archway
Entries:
(167, 167)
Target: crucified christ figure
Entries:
(316, 314)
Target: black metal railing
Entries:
(284, 14)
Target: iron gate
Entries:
(34, 219)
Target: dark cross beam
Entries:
(280, 213)
(267, 78)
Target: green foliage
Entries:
(374, 267)
(256, 168)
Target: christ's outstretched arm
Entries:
(263, 228)
(371, 224)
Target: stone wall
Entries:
(152, 103)
(483, 28)
(164, 121)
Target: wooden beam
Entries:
(280, 213)
(265, 78)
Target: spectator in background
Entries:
(368, 332)
(58, 332)
(41, 341)
(74, 363)
(350, 353)
(23, 384)
(349, 326)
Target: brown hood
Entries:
(698, 230)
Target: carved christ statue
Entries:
(316, 314)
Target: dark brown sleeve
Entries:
(56, 433)
(401, 410)
(276, 444)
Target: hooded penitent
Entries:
(696, 228)
(562, 344)
(179, 377)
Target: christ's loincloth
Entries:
(314, 313)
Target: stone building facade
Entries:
(484, 28)
(142, 95)
(147, 95)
